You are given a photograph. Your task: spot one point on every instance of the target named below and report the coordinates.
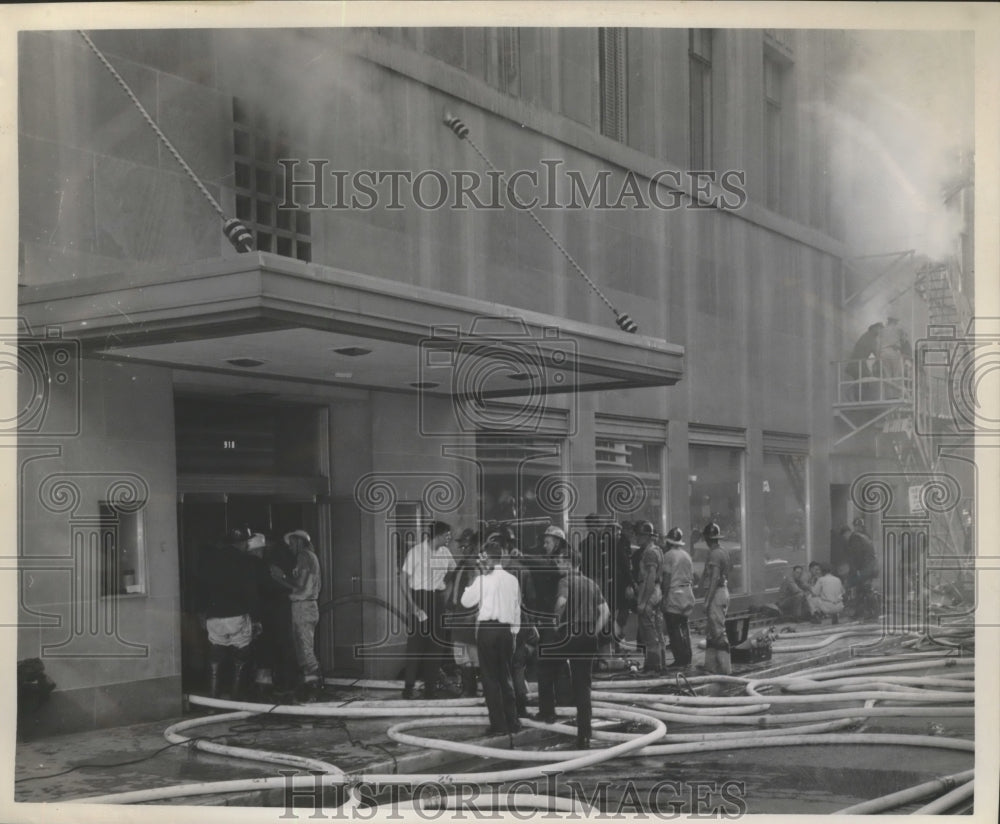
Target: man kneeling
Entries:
(827, 598)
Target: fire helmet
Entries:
(675, 537)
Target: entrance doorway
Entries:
(204, 519)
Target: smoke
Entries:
(901, 129)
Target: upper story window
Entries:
(700, 92)
(258, 144)
(614, 89)
(505, 57)
(774, 93)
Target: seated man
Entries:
(827, 597)
(792, 599)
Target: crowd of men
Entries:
(259, 602)
(500, 611)
(824, 592)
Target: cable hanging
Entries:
(461, 131)
(235, 230)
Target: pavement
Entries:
(788, 779)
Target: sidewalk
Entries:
(356, 746)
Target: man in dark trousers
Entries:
(546, 573)
(497, 595)
(276, 667)
(622, 589)
(864, 564)
(423, 581)
(583, 614)
(229, 595)
(678, 596)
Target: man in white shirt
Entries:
(827, 597)
(422, 580)
(498, 596)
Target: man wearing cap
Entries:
(583, 614)
(546, 575)
(649, 596)
(678, 596)
(303, 592)
(497, 595)
(717, 655)
(229, 596)
(461, 622)
(423, 582)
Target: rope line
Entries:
(461, 131)
(234, 229)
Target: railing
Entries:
(863, 381)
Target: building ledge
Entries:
(298, 319)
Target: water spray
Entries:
(461, 131)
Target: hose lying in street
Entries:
(173, 735)
(948, 800)
(898, 696)
(313, 782)
(909, 795)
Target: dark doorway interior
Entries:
(204, 519)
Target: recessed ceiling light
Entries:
(425, 385)
(343, 374)
(520, 376)
(353, 351)
(247, 363)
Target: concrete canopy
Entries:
(275, 318)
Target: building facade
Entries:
(405, 342)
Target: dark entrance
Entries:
(260, 464)
(204, 518)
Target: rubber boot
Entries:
(214, 670)
(240, 667)
(469, 682)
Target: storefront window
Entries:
(630, 480)
(522, 485)
(716, 487)
(786, 527)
